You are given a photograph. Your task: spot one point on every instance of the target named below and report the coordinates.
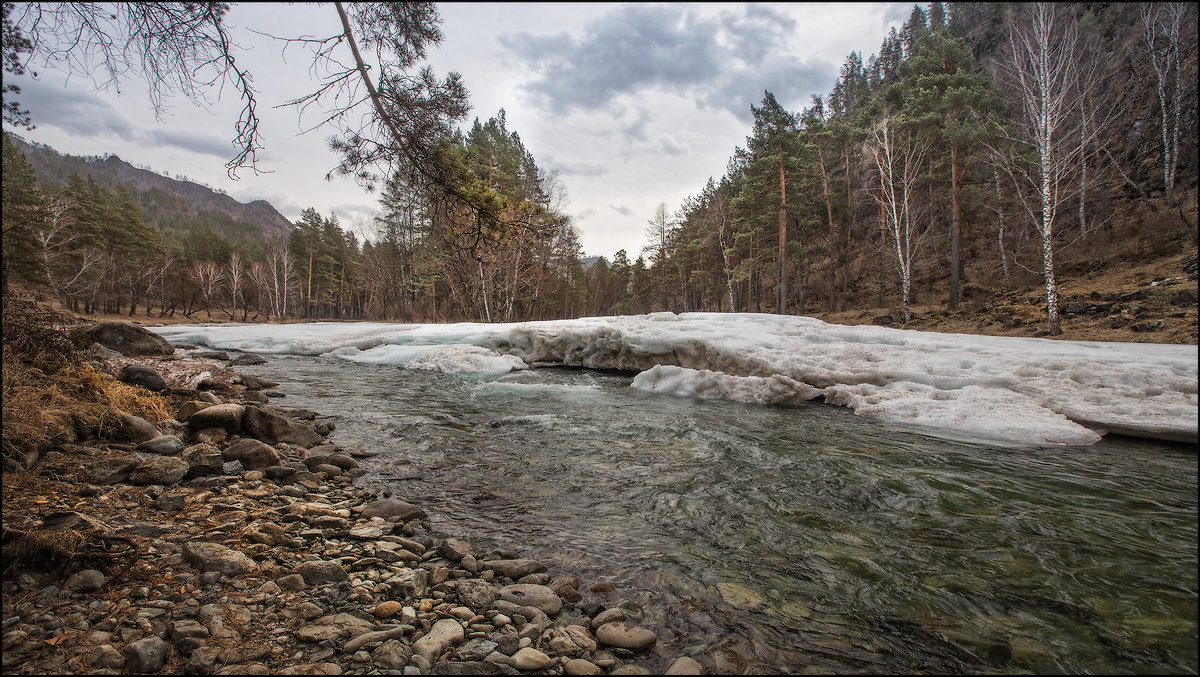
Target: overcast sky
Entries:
(633, 104)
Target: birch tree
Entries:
(209, 278)
(236, 269)
(898, 157)
(1044, 66)
(1162, 34)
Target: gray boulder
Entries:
(255, 383)
(476, 593)
(272, 428)
(410, 583)
(136, 429)
(145, 655)
(513, 568)
(141, 375)
(392, 507)
(164, 445)
(537, 596)
(216, 557)
(89, 580)
(102, 352)
(316, 572)
(128, 339)
(228, 417)
(625, 635)
(444, 634)
(112, 470)
(253, 454)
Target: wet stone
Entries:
(625, 635)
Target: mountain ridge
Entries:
(52, 166)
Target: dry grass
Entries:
(50, 393)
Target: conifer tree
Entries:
(944, 93)
(24, 215)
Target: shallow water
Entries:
(771, 539)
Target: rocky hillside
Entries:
(151, 189)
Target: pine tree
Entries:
(774, 147)
(23, 216)
(945, 93)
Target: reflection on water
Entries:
(767, 539)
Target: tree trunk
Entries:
(781, 287)
(955, 225)
(832, 237)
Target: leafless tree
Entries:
(280, 276)
(1163, 33)
(236, 270)
(898, 157)
(174, 47)
(1049, 73)
(73, 271)
(209, 279)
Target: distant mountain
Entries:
(171, 204)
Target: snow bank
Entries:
(714, 385)
(1019, 391)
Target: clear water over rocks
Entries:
(775, 538)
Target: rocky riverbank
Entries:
(231, 539)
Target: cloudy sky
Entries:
(632, 104)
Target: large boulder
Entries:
(128, 339)
(444, 634)
(141, 375)
(537, 596)
(135, 429)
(225, 416)
(253, 454)
(272, 429)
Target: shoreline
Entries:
(229, 549)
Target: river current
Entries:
(789, 539)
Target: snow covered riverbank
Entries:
(1017, 391)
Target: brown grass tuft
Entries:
(50, 393)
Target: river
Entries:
(788, 539)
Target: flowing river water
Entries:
(790, 539)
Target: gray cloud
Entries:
(896, 11)
(632, 47)
(587, 170)
(792, 81)
(725, 62)
(585, 214)
(671, 147)
(622, 210)
(204, 144)
(76, 112)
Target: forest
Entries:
(983, 146)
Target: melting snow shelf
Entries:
(1015, 391)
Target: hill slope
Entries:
(173, 202)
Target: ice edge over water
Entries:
(1016, 391)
